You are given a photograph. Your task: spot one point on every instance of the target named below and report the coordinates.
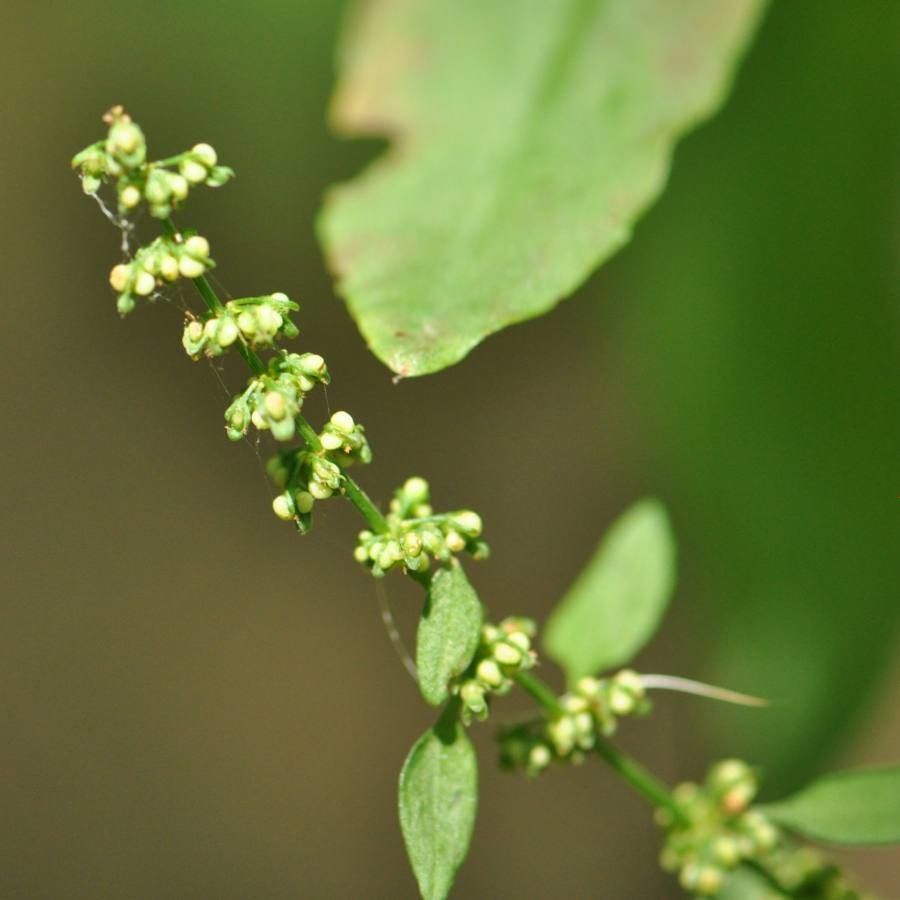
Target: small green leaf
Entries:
(448, 633)
(746, 884)
(615, 605)
(527, 139)
(861, 807)
(438, 799)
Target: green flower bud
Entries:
(204, 154)
(197, 246)
(468, 522)
(192, 170)
(507, 655)
(343, 422)
(454, 542)
(331, 441)
(561, 733)
(178, 185)
(727, 851)
(283, 507)
(621, 702)
(472, 694)
(412, 544)
(194, 330)
(539, 758)
(320, 491)
(190, 268)
(168, 267)
(268, 319)
(227, 332)
(157, 189)
(519, 639)
(361, 554)
(129, 197)
(275, 405)
(304, 502)
(415, 491)
(125, 304)
(119, 277)
(489, 673)
(144, 283)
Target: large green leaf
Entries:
(527, 138)
(438, 799)
(448, 632)
(861, 807)
(615, 605)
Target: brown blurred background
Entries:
(196, 703)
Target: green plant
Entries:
(715, 838)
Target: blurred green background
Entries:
(197, 703)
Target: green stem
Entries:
(352, 491)
(641, 780)
(630, 769)
(540, 692)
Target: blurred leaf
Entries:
(448, 633)
(745, 884)
(616, 604)
(438, 800)
(861, 807)
(527, 138)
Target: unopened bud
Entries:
(304, 502)
(119, 277)
(468, 522)
(197, 246)
(269, 319)
(539, 757)
(190, 268)
(454, 542)
(343, 422)
(489, 672)
(331, 441)
(205, 155)
(282, 507)
(168, 267)
(507, 655)
(129, 196)
(319, 490)
(194, 171)
(144, 283)
(415, 491)
(275, 405)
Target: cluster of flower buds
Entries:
(346, 439)
(593, 706)
(304, 477)
(720, 830)
(273, 400)
(504, 651)
(163, 185)
(416, 535)
(256, 321)
(163, 260)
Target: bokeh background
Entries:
(196, 703)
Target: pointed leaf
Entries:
(861, 807)
(438, 800)
(616, 604)
(746, 884)
(449, 631)
(528, 138)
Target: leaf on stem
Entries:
(438, 799)
(856, 807)
(527, 139)
(617, 602)
(449, 631)
(746, 884)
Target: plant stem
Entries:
(540, 692)
(641, 780)
(352, 491)
(631, 770)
